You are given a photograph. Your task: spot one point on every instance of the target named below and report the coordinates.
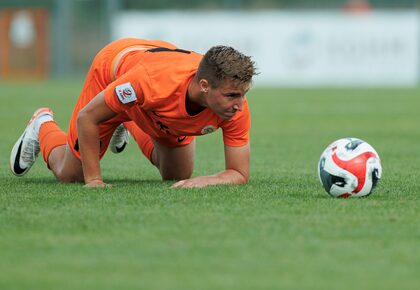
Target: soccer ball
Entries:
(349, 167)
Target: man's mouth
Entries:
(229, 115)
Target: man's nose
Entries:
(239, 104)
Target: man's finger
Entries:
(178, 184)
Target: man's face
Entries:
(227, 99)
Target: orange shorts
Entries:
(100, 75)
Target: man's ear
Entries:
(204, 85)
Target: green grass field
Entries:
(280, 231)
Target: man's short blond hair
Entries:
(221, 63)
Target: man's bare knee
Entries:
(67, 178)
(174, 163)
(186, 174)
(64, 165)
(61, 178)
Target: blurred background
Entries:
(294, 42)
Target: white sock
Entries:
(41, 120)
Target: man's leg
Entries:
(175, 163)
(143, 140)
(43, 134)
(57, 154)
(65, 166)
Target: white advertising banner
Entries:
(296, 49)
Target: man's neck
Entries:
(194, 101)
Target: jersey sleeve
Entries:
(236, 131)
(126, 91)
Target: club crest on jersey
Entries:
(125, 93)
(208, 129)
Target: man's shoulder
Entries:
(172, 60)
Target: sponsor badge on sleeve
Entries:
(125, 92)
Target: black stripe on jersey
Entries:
(163, 49)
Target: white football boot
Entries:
(119, 139)
(26, 149)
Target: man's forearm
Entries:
(229, 176)
(89, 148)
